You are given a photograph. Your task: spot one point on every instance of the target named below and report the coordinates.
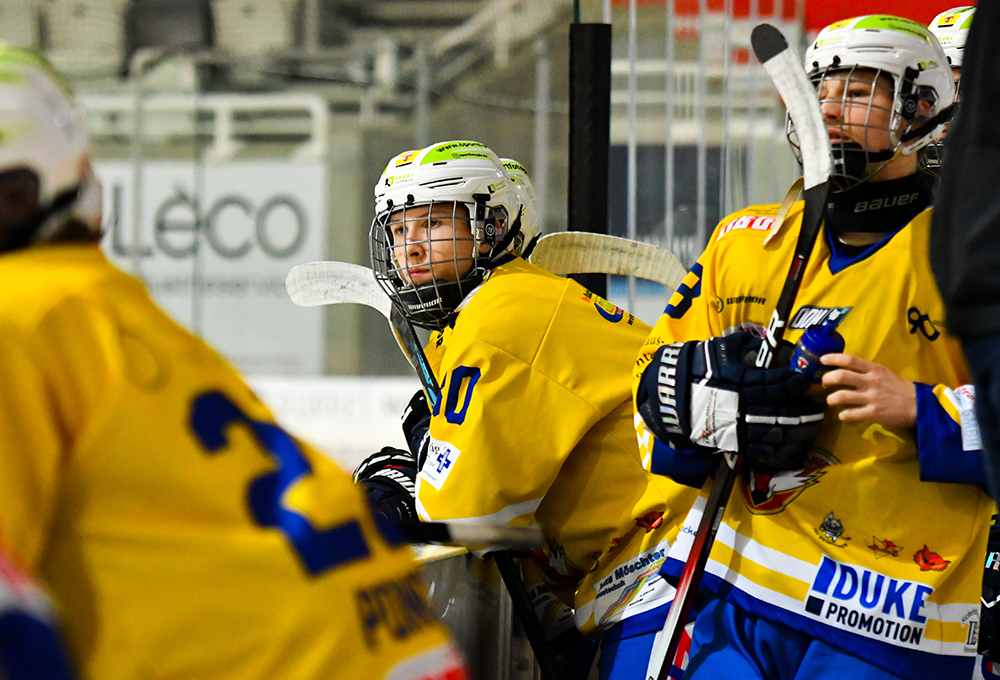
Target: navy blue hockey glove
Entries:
(711, 395)
(417, 426)
(389, 479)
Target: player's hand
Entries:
(864, 391)
(389, 479)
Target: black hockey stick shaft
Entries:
(525, 613)
(407, 338)
(505, 563)
(771, 48)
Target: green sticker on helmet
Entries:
(890, 23)
(514, 166)
(16, 56)
(455, 151)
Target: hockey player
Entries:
(951, 28)
(178, 530)
(534, 423)
(856, 552)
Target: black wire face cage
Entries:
(866, 113)
(428, 257)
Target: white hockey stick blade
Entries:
(475, 535)
(330, 283)
(789, 77)
(580, 252)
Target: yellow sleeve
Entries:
(500, 436)
(50, 381)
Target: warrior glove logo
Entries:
(666, 388)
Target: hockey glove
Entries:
(711, 395)
(389, 479)
(417, 426)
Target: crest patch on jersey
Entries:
(832, 531)
(441, 457)
(768, 493)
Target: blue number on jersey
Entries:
(681, 300)
(212, 414)
(458, 378)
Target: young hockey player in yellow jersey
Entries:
(855, 550)
(534, 423)
(178, 530)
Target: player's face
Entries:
(432, 243)
(857, 109)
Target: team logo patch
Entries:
(650, 521)
(556, 566)
(810, 316)
(768, 493)
(883, 548)
(930, 561)
(832, 531)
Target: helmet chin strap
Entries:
(942, 117)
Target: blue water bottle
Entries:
(818, 339)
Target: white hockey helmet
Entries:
(531, 218)
(45, 173)
(467, 177)
(951, 28)
(922, 87)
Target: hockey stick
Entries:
(327, 283)
(324, 283)
(521, 602)
(578, 252)
(789, 77)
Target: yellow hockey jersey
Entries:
(855, 548)
(535, 425)
(180, 532)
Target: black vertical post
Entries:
(589, 135)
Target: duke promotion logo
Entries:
(868, 603)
